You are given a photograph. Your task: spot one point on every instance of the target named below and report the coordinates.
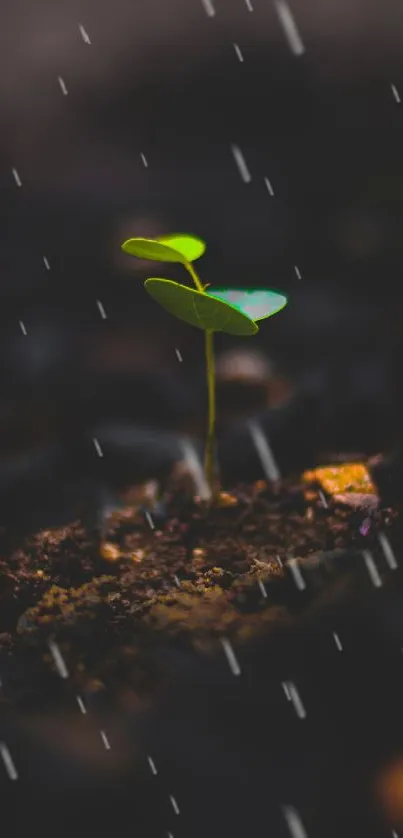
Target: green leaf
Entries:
(191, 247)
(199, 309)
(256, 304)
(178, 247)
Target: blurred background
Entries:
(128, 119)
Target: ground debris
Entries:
(200, 574)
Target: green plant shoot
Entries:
(233, 311)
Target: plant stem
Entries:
(198, 283)
(210, 370)
(209, 453)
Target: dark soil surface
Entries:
(213, 641)
(250, 566)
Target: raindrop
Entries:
(241, 163)
(262, 588)
(98, 447)
(152, 765)
(62, 84)
(101, 310)
(296, 572)
(81, 705)
(149, 520)
(294, 822)
(296, 700)
(84, 34)
(58, 659)
(264, 451)
(387, 551)
(16, 177)
(174, 804)
(231, 658)
(196, 469)
(337, 641)
(105, 740)
(208, 8)
(289, 27)
(8, 762)
(372, 569)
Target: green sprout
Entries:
(232, 311)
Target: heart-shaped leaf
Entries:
(256, 304)
(191, 247)
(178, 247)
(199, 309)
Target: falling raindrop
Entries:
(337, 641)
(8, 762)
(323, 499)
(264, 451)
(84, 34)
(297, 575)
(298, 272)
(296, 700)
(144, 160)
(58, 659)
(262, 588)
(152, 765)
(101, 310)
(81, 705)
(22, 327)
(178, 355)
(238, 53)
(231, 658)
(286, 690)
(46, 263)
(241, 163)
(396, 94)
(372, 569)
(196, 469)
(289, 27)
(269, 186)
(294, 822)
(16, 177)
(105, 740)
(62, 85)
(149, 519)
(249, 5)
(208, 8)
(174, 804)
(387, 551)
(98, 447)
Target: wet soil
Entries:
(253, 567)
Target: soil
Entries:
(251, 567)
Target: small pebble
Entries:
(110, 552)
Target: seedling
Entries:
(233, 311)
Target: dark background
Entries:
(163, 80)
